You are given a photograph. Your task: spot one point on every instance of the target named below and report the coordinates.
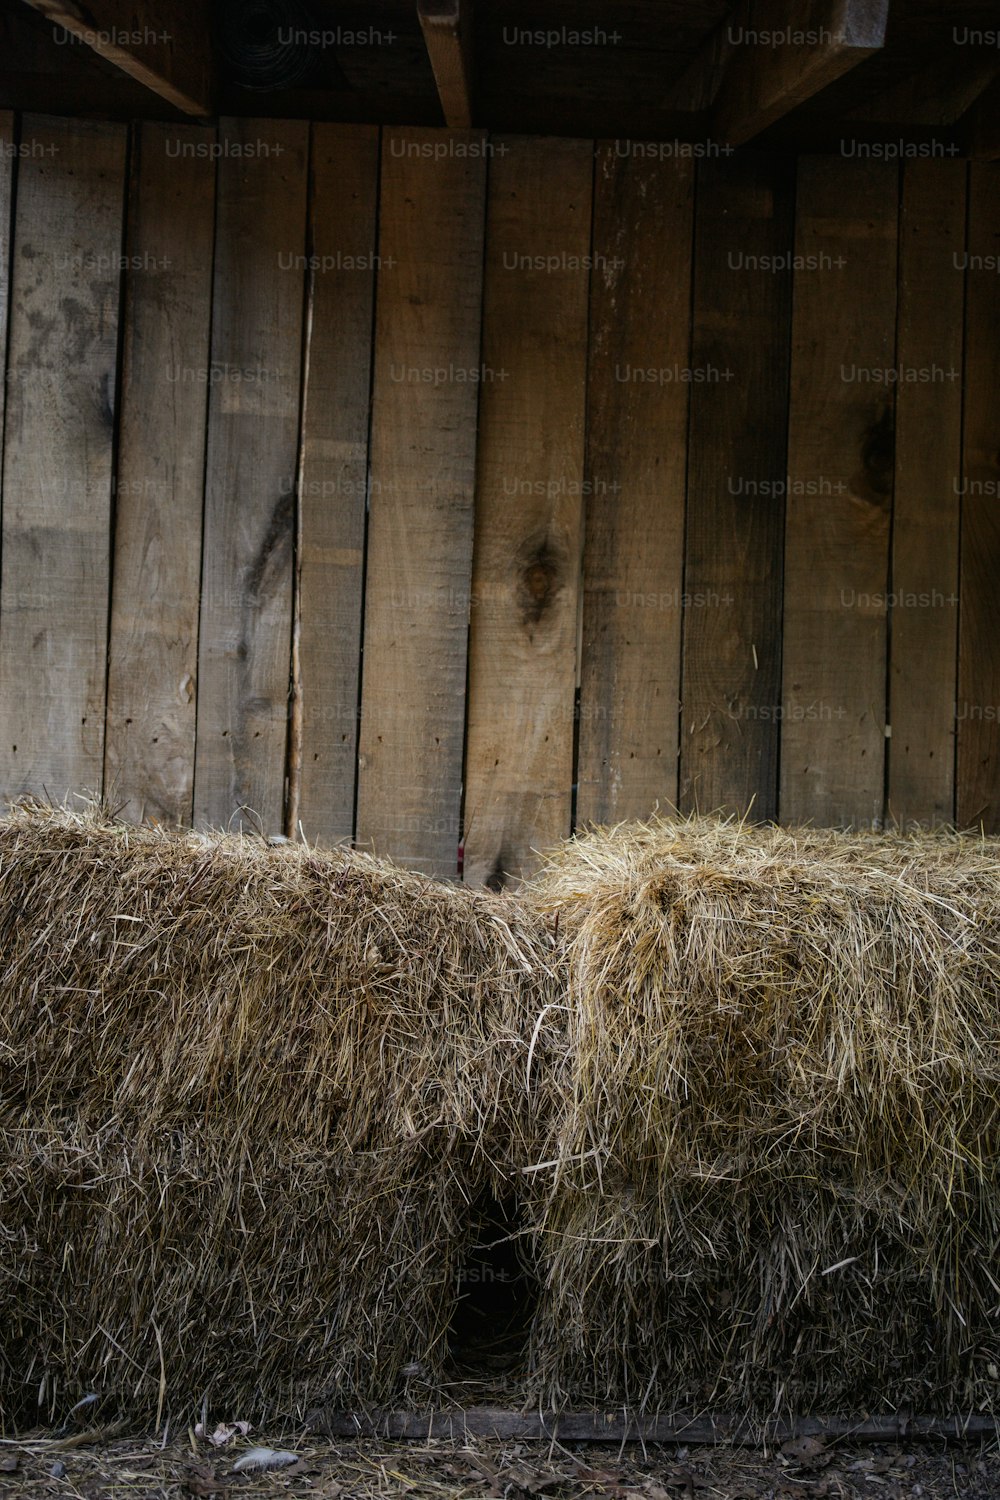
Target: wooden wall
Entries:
(427, 490)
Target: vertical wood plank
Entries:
(925, 527)
(427, 368)
(529, 507)
(737, 477)
(840, 447)
(978, 706)
(58, 455)
(153, 651)
(7, 151)
(254, 378)
(637, 412)
(333, 474)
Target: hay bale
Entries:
(248, 1097)
(740, 1085)
(775, 1179)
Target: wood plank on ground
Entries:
(159, 482)
(637, 412)
(333, 477)
(244, 651)
(736, 485)
(60, 419)
(423, 439)
(978, 704)
(840, 465)
(529, 506)
(598, 1427)
(925, 526)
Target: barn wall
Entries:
(422, 488)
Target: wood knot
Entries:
(538, 582)
(878, 457)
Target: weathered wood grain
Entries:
(737, 449)
(168, 49)
(529, 507)
(244, 649)
(978, 703)
(840, 462)
(7, 149)
(159, 481)
(637, 413)
(333, 477)
(426, 383)
(925, 526)
(598, 1427)
(60, 423)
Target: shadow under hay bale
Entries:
(775, 1181)
(248, 1095)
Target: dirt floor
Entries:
(807, 1469)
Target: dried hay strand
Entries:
(247, 1097)
(774, 1177)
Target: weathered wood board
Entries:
(427, 379)
(637, 414)
(737, 479)
(840, 465)
(978, 703)
(59, 440)
(924, 583)
(333, 477)
(7, 149)
(529, 507)
(244, 653)
(159, 480)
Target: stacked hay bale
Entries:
(741, 1087)
(775, 1178)
(247, 1097)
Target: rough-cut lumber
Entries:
(595, 1427)
(254, 375)
(781, 54)
(840, 467)
(637, 414)
(159, 481)
(447, 29)
(736, 486)
(60, 425)
(529, 506)
(978, 705)
(925, 527)
(6, 204)
(427, 378)
(333, 477)
(167, 48)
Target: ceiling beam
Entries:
(980, 126)
(447, 28)
(165, 46)
(772, 56)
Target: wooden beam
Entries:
(169, 54)
(979, 127)
(447, 28)
(779, 55)
(599, 1427)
